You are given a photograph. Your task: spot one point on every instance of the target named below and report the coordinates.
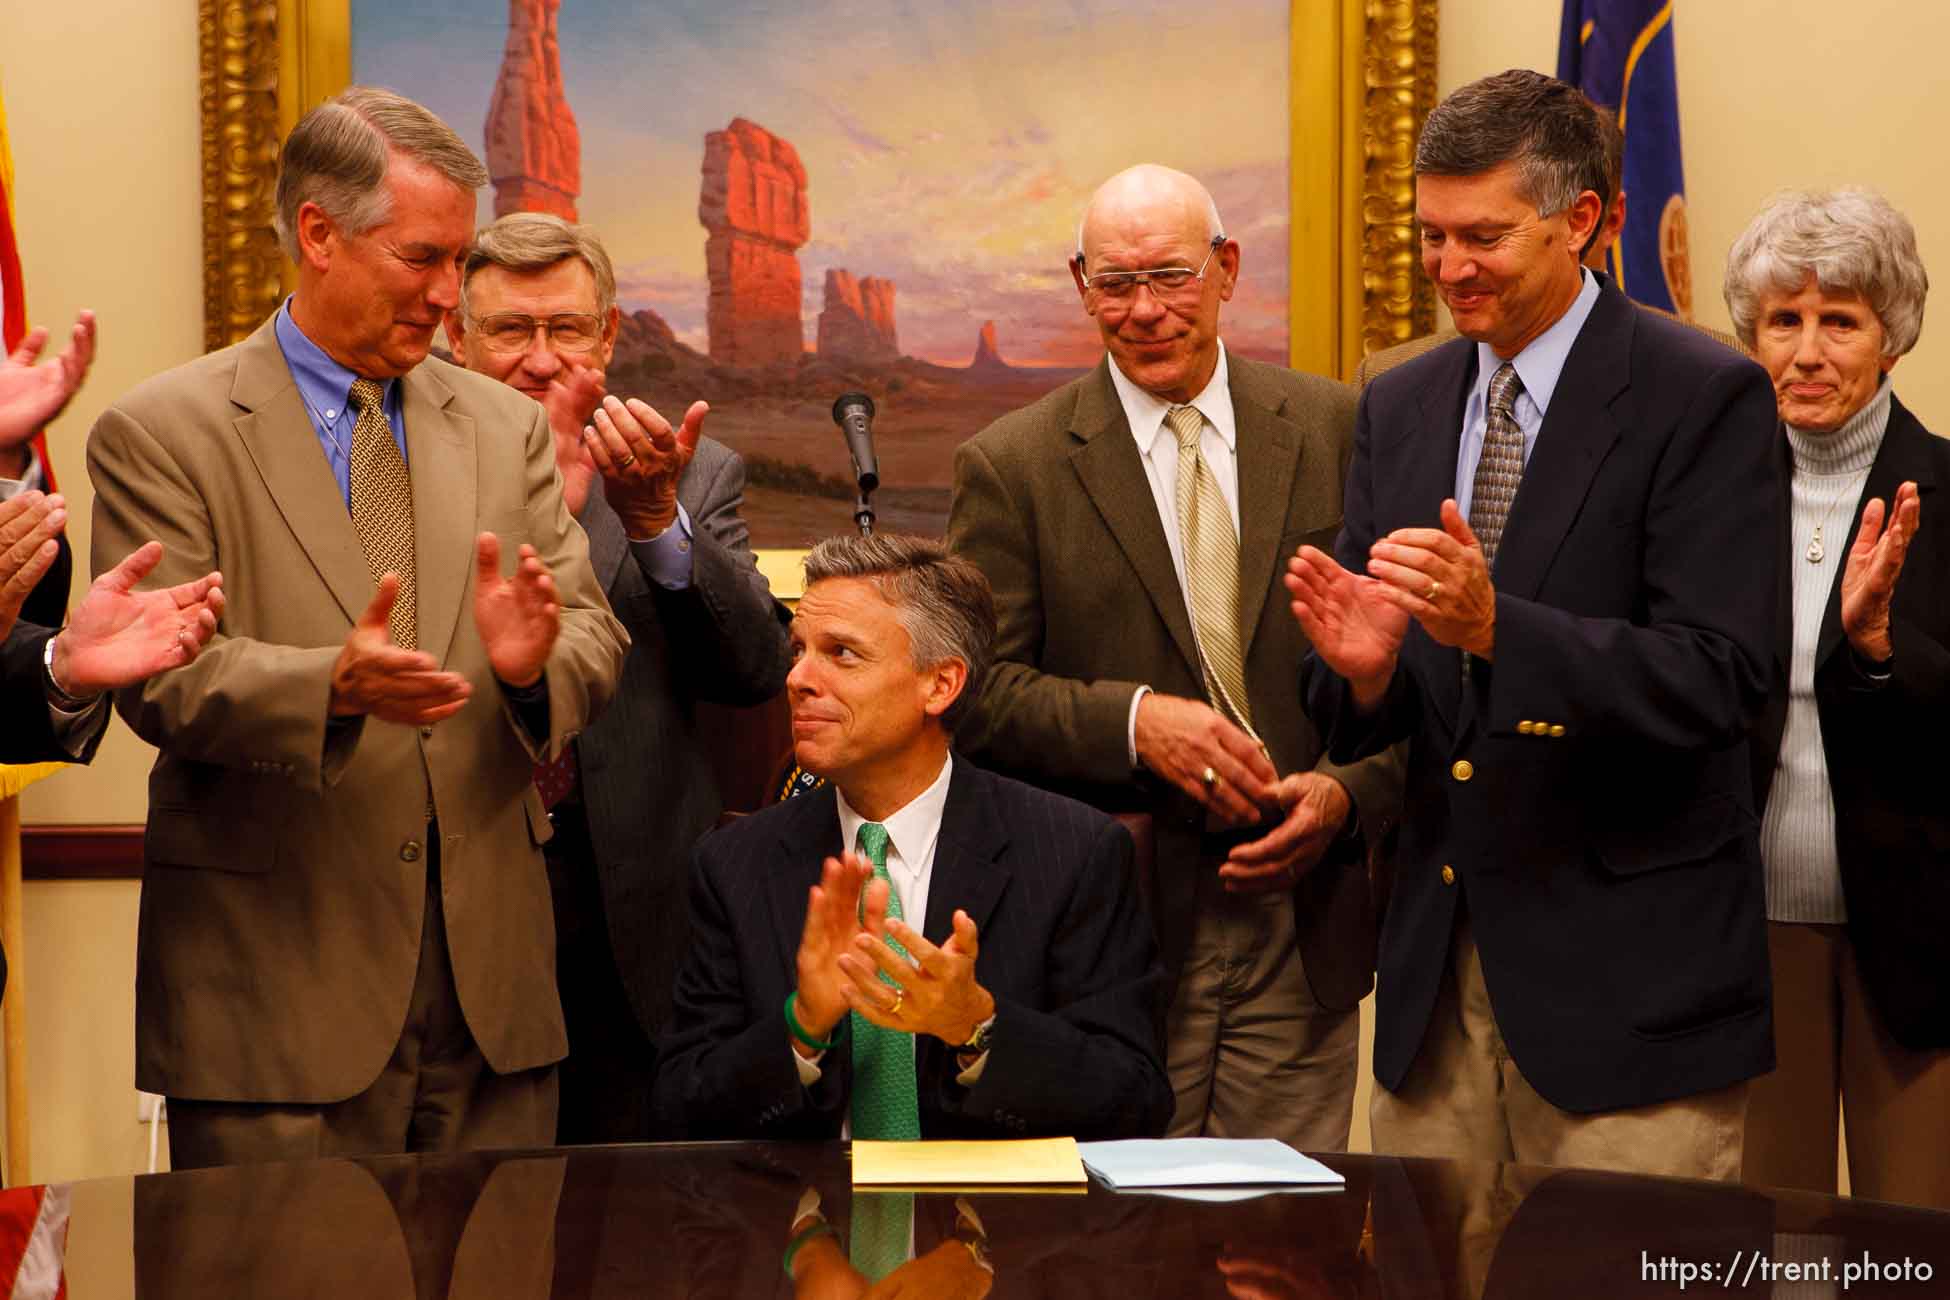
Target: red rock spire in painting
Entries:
(534, 151)
(857, 322)
(754, 205)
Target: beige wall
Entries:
(101, 102)
(1776, 95)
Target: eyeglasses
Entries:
(1173, 282)
(511, 331)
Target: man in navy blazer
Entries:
(1561, 592)
(1028, 997)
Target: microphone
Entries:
(853, 412)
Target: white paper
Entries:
(1203, 1162)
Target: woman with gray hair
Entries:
(1826, 291)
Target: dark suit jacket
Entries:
(647, 780)
(1612, 872)
(29, 731)
(1891, 832)
(47, 603)
(1051, 502)
(1063, 950)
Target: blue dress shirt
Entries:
(1539, 366)
(326, 387)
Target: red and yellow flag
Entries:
(13, 294)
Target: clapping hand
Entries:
(641, 458)
(30, 394)
(1869, 574)
(832, 923)
(518, 616)
(1355, 626)
(118, 636)
(573, 396)
(932, 990)
(29, 524)
(1438, 577)
(391, 683)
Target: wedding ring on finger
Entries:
(627, 461)
(1435, 589)
(1209, 778)
(900, 996)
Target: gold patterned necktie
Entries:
(1211, 571)
(382, 508)
(1499, 470)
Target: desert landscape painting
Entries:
(803, 199)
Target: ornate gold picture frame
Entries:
(1362, 80)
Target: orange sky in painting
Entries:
(948, 147)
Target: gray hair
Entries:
(943, 600)
(1545, 126)
(338, 153)
(1850, 240)
(535, 241)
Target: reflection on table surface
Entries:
(713, 1220)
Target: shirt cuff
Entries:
(1130, 724)
(73, 731)
(973, 1074)
(809, 1071)
(31, 478)
(667, 556)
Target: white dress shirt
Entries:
(1218, 446)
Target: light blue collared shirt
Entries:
(326, 387)
(665, 558)
(1539, 366)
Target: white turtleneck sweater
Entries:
(1797, 830)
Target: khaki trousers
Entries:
(1830, 1042)
(436, 1093)
(1249, 1051)
(1465, 1099)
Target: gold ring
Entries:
(627, 461)
(900, 995)
(1209, 777)
(1435, 589)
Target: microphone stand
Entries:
(863, 513)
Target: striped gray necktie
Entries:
(1500, 468)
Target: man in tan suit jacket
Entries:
(1101, 686)
(345, 943)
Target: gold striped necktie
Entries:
(382, 508)
(1211, 548)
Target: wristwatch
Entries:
(55, 691)
(978, 1040)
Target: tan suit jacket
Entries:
(285, 863)
(1052, 503)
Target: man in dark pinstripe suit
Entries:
(1031, 985)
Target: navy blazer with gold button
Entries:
(1586, 797)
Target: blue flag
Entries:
(1619, 52)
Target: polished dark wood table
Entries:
(715, 1219)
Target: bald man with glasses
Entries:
(1132, 524)
(538, 312)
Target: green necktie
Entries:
(886, 1103)
(881, 1225)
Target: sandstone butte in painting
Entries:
(534, 152)
(770, 394)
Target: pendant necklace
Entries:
(1816, 553)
